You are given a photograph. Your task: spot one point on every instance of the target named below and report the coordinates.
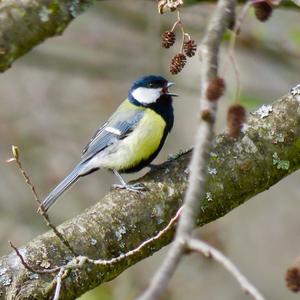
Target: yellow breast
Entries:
(139, 145)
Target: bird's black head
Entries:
(148, 90)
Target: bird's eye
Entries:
(151, 85)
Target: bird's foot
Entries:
(135, 187)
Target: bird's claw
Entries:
(135, 187)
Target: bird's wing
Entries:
(116, 128)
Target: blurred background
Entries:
(54, 98)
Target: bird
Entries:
(129, 140)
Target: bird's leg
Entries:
(136, 187)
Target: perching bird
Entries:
(130, 139)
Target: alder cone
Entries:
(168, 39)
(177, 63)
(215, 89)
(190, 48)
(263, 11)
(236, 116)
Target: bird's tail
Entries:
(60, 188)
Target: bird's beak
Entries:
(170, 84)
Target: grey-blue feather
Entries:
(61, 187)
(123, 122)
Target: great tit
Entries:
(130, 139)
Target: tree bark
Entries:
(266, 152)
(25, 24)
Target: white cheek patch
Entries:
(146, 95)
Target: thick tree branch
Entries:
(121, 221)
(25, 24)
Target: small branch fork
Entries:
(210, 252)
(185, 35)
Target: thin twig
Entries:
(231, 48)
(24, 263)
(174, 25)
(198, 166)
(16, 158)
(181, 29)
(141, 246)
(211, 252)
(232, 42)
(58, 283)
(29, 268)
(79, 261)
